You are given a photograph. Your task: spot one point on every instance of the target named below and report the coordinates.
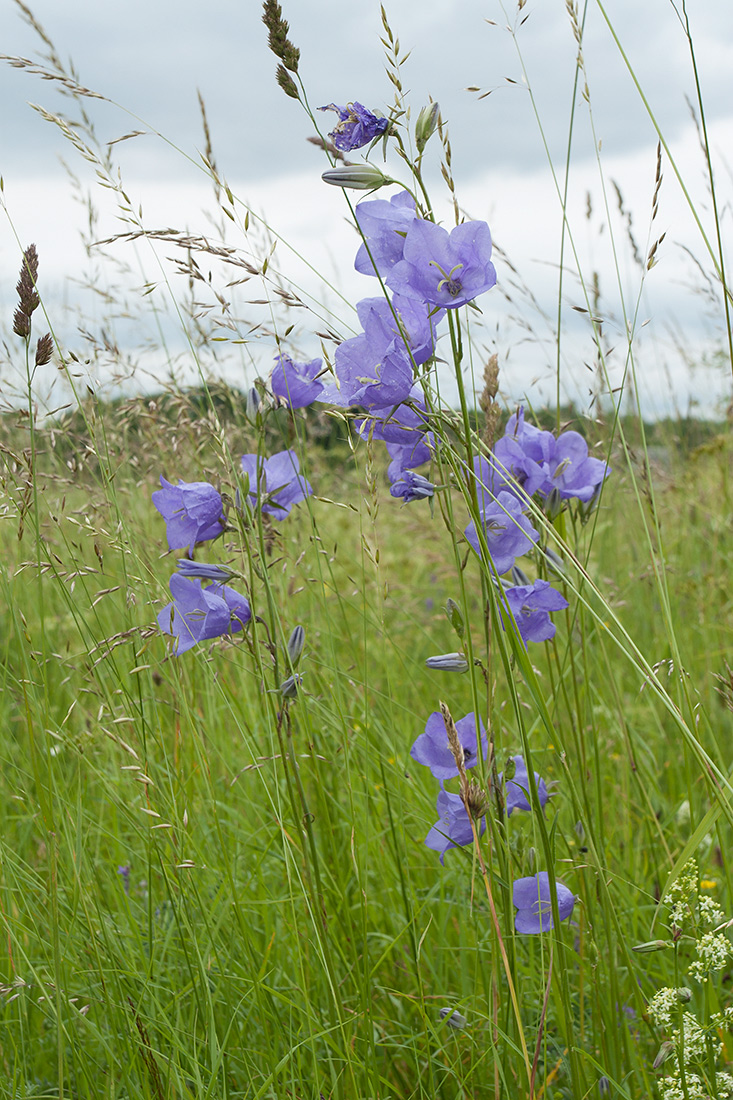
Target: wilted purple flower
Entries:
(445, 269)
(517, 788)
(356, 126)
(204, 571)
(532, 900)
(384, 224)
(541, 463)
(509, 534)
(431, 747)
(275, 483)
(296, 383)
(453, 827)
(192, 511)
(198, 614)
(411, 486)
(530, 605)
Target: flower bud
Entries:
(553, 504)
(448, 662)
(201, 570)
(454, 1018)
(455, 618)
(519, 576)
(289, 688)
(359, 177)
(510, 769)
(664, 1052)
(296, 642)
(426, 125)
(684, 995)
(651, 945)
(554, 561)
(252, 406)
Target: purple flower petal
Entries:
(532, 900)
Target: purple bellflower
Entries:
(453, 827)
(192, 511)
(356, 127)
(411, 486)
(517, 788)
(375, 369)
(384, 225)
(406, 457)
(431, 747)
(401, 424)
(296, 384)
(198, 614)
(531, 605)
(541, 463)
(442, 268)
(532, 900)
(509, 534)
(275, 483)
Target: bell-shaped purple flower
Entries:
(541, 463)
(384, 224)
(442, 268)
(356, 127)
(432, 749)
(531, 605)
(517, 788)
(509, 534)
(296, 384)
(275, 483)
(453, 827)
(404, 424)
(532, 900)
(198, 614)
(411, 486)
(192, 511)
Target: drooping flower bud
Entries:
(455, 1019)
(289, 688)
(426, 125)
(358, 177)
(664, 1052)
(448, 662)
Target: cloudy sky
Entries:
(509, 152)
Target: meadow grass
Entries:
(211, 889)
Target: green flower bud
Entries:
(455, 618)
(426, 125)
(358, 177)
(651, 945)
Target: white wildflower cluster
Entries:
(682, 894)
(713, 952)
(710, 912)
(694, 1039)
(671, 1087)
(664, 1005)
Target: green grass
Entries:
(207, 891)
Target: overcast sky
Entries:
(150, 58)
